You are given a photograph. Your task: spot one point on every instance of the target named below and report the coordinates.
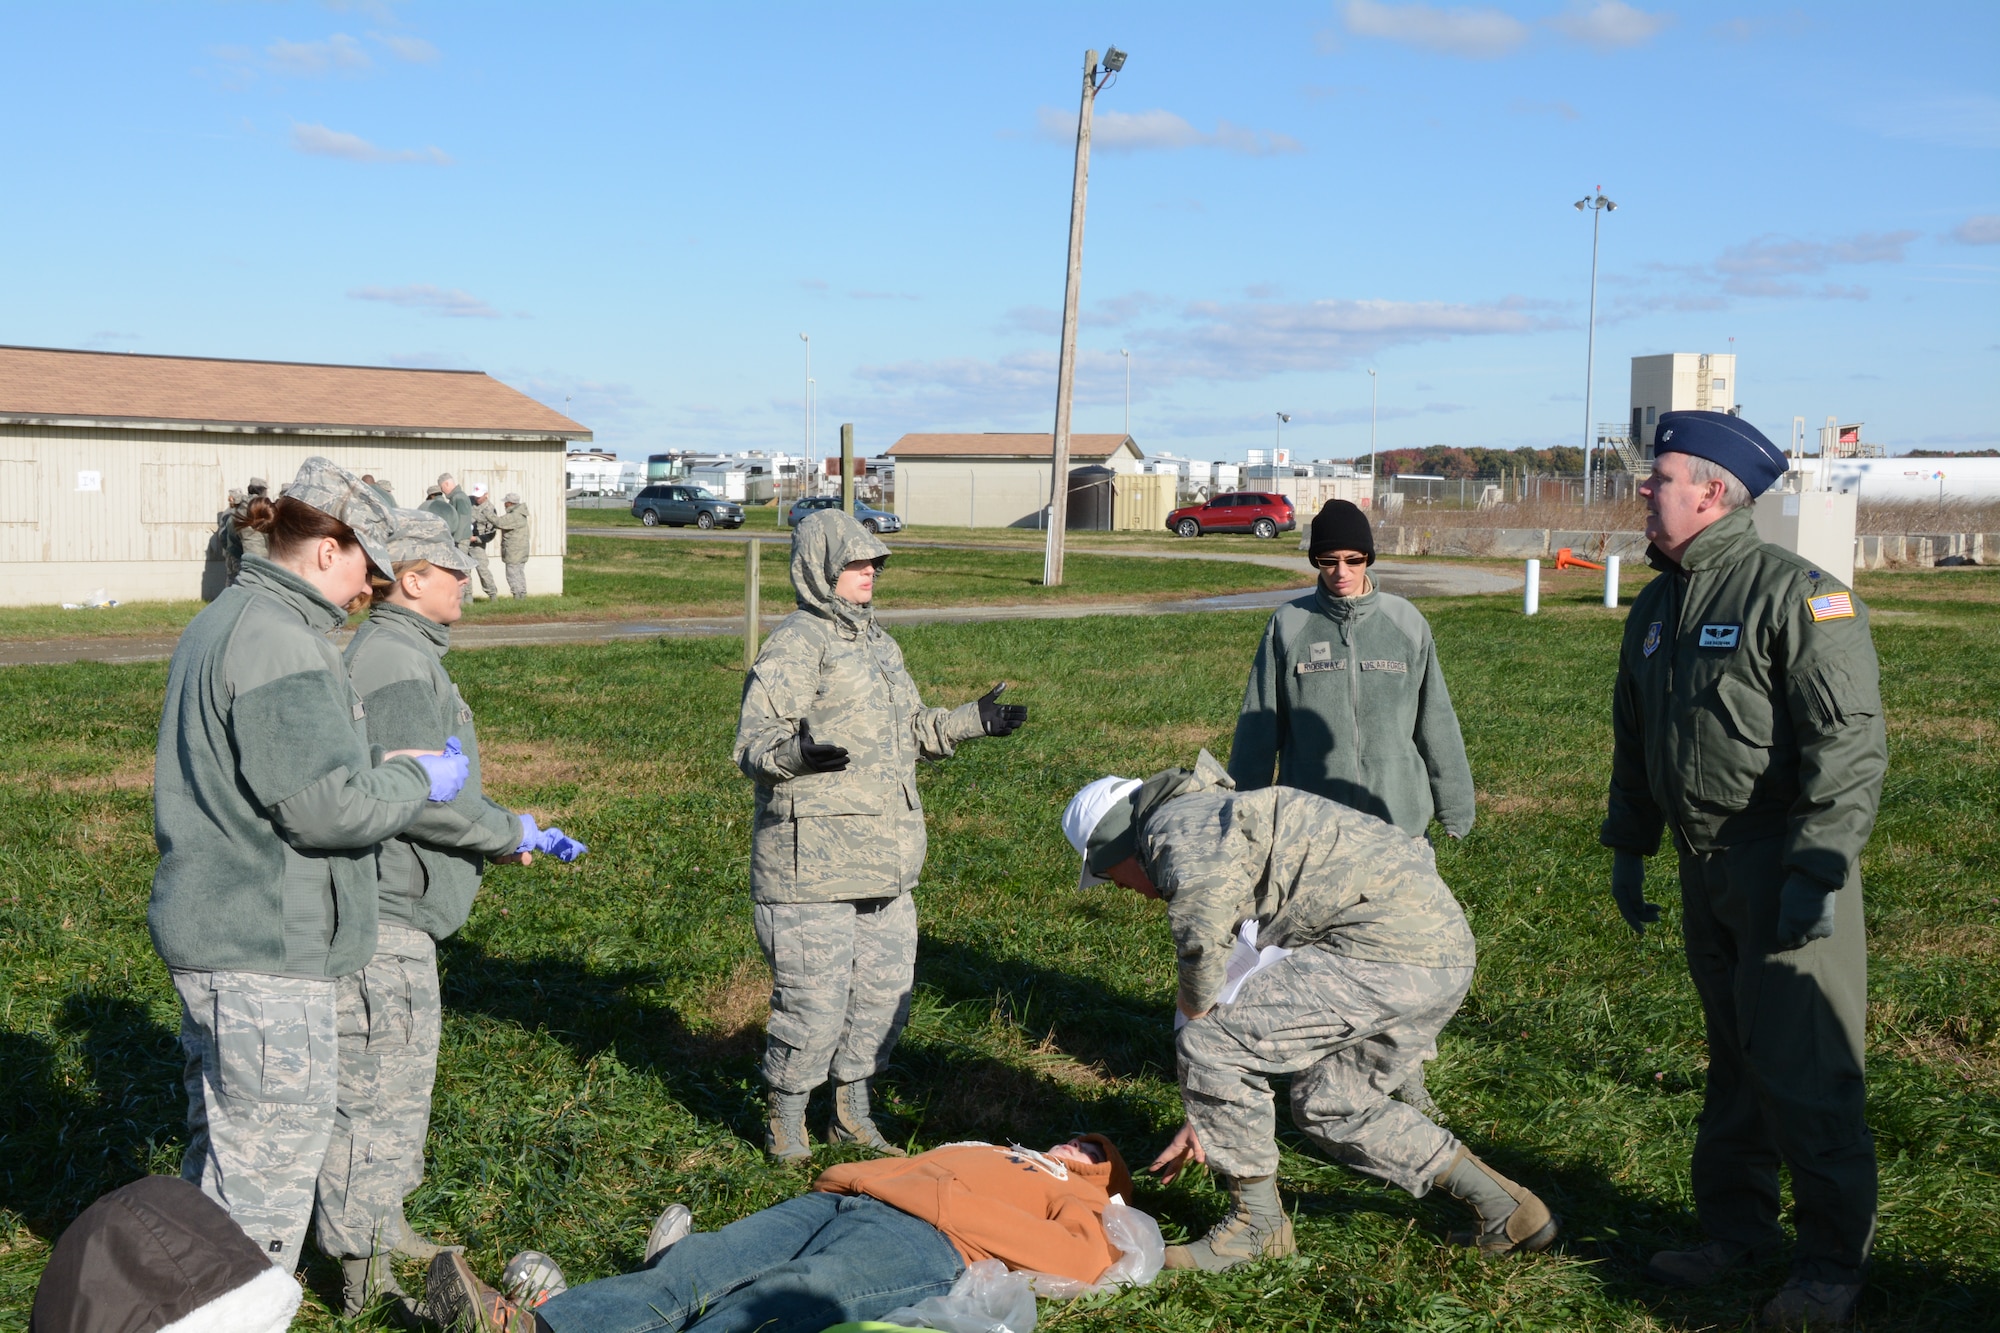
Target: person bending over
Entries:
(870, 1237)
(1372, 958)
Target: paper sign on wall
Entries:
(90, 481)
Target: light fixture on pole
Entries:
(1372, 383)
(806, 338)
(1095, 78)
(1128, 390)
(1598, 207)
(1278, 445)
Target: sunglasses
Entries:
(1336, 561)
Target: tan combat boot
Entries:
(363, 1282)
(785, 1137)
(413, 1244)
(1255, 1227)
(854, 1123)
(1511, 1219)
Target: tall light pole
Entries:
(1372, 492)
(1093, 80)
(1128, 388)
(806, 338)
(1598, 207)
(1278, 444)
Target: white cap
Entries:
(477, 488)
(1086, 809)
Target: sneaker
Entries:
(530, 1278)
(460, 1302)
(1700, 1266)
(1803, 1304)
(673, 1226)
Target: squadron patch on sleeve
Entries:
(1833, 606)
(1652, 642)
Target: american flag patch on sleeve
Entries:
(1833, 606)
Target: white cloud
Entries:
(1764, 267)
(319, 141)
(1960, 120)
(1769, 257)
(1140, 131)
(1249, 340)
(413, 49)
(432, 300)
(1983, 229)
(1479, 34)
(338, 52)
(1610, 25)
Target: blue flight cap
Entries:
(1730, 442)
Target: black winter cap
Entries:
(1341, 526)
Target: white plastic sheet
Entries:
(985, 1299)
(1246, 960)
(1142, 1254)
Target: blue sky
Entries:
(637, 209)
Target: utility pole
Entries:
(1278, 444)
(806, 338)
(1052, 558)
(1598, 207)
(847, 467)
(1126, 353)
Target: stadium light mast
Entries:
(1598, 207)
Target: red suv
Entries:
(1236, 511)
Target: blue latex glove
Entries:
(447, 771)
(551, 841)
(1805, 912)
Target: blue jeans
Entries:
(806, 1264)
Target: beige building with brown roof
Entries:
(995, 479)
(114, 467)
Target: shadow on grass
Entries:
(70, 1139)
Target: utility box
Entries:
(1818, 525)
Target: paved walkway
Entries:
(1397, 576)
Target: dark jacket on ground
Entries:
(430, 873)
(1347, 700)
(1748, 704)
(266, 806)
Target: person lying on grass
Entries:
(870, 1237)
(1372, 957)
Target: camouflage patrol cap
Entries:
(511, 498)
(258, 486)
(338, 493)
(416, 535)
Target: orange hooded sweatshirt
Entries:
(1021, 1207)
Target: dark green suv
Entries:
(678, 504)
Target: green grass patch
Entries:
(603, 1019)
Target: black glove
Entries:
(819, 758)
(1628, 890)
(1000, 719)
(1805, 912)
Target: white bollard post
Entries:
(1611, 580)
(1531, 601)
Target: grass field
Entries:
(615, 578)
(602, 1019)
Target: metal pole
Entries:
(806, 338)
(750, 607)
(847, 467)
(1052, 558)
(1126, 353)
(1373, 383)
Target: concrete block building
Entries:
(992, 480)
(114, 467)
(1678, 382)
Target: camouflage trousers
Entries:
(840, 987)
(261, 1074)
(517, 580)
(470, 552)
(389, 1016)
(483, 564)
(1349, 1032)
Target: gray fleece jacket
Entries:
(266, 807)
(430, 873)
(1347, 700)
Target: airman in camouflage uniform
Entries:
(831, 731)
(1380, 959)
(482, 518)
(514, 529)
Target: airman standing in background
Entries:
(234, 531)
(515, 531)
(1747, 721)
(483, 530)
(831, 731)
(461, 521)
